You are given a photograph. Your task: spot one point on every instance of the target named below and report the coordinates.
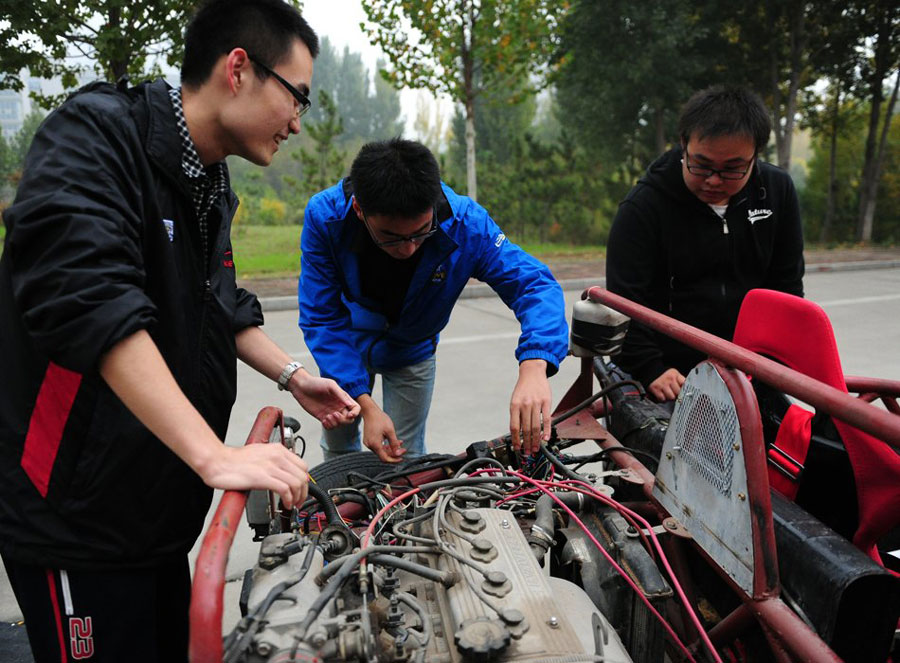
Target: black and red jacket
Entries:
(671, 252)
(102, 242)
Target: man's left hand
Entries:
(323, 399)
(529, 408)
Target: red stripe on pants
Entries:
(48, 419)
(57, 613)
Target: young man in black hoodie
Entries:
(707, 223)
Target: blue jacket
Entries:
(345, 331)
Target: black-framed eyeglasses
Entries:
(303, 102)
(416, 238)
(725, 173)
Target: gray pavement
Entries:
(476, 372)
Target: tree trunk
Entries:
(468, 64)
(660, 131)
(117, 68)
(471, 178)
(870, 185)
(832, 169)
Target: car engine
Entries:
(449, 578)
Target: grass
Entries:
(261, 251)
(266, 250)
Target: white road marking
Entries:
(859, 300)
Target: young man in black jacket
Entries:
(122, 323)
(707, 223)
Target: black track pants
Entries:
(139, 616)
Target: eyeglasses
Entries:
(416, 238)
(303, 102)
(725, 173)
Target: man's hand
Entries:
(530, 407)
(257, 466)
(323, 399)
(667, 386)
(378, 427)
(137, 373)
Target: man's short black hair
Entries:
(725, 111)
(396, 177)
(264, 28)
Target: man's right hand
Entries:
(378, 428)
(258, 466)
(667, 386)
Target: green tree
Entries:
(628, 68)
(384, 109)
(367, 115)
(12, 154)
(851, 146)
(463, 47)
(834, 59)
(881, 20)
(119, 37)
(323, 165)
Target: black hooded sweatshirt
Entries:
(671, 252)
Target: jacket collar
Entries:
(162, 141)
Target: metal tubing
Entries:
(205, 644)
(732, 626)
(792, 632)
(838, 404)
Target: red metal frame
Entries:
(790, 638)
(209, 573)
(883, 425)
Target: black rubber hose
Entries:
(558, 464)
(544, 526)
(327, 506)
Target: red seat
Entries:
(797, 333)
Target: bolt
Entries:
(553, 622)
(318, 639)
(742, 497)
(263, 648)
(737, 447)
(671, 524)
(496, 577)
(512, 616)
(482, 545)
(669, 455)
(504, 523)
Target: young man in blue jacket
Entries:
(385, 255)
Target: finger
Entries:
(545, 420)
(535, 433)
(383, 451)
(352, 410)
(283, 491)
(515, 432)
(396, 445)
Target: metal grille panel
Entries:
(707, 428)
(702, 478)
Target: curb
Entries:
(478, 290)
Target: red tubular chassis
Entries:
(787, 636)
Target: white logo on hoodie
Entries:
(755, 215)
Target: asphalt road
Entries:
(476, 372)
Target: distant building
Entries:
(15, 106)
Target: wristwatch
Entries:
(287, 373)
